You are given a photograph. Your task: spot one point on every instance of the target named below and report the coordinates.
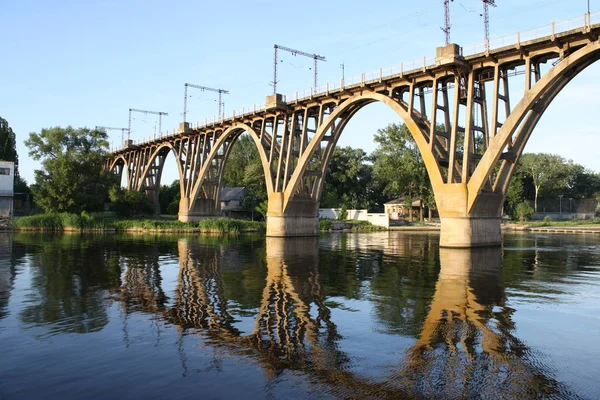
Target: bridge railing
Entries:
(366, 77)
(554, 28)
(581, 21)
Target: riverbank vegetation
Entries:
(86, 222)
(327, 225)
(547, 222)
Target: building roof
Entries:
(232, 193)
(402, 200)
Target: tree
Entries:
(399, 166)
(584, 183)
(523, 211)
(168, 198)
(8, 144)
(8, 152)
(516, 191)
(244, 168)
(243, 153)
(347, 179)
(130, 203)
(547, 171)
(72, 178)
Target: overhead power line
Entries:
(109, 128)
(185, 97)
(159, 113)
(276, 47)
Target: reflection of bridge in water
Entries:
(466, 346)
(7, 272)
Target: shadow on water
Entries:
(450, 303)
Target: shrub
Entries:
(59, 221)
(50, 221)
(524, 211)
(343, 214)
(128, 203)
(325, 224)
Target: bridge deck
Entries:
(583, 26)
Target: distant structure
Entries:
(231, 199)
(7, 185)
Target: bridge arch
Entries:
(346, 111)
(117, 166)
(232, 133)
(519, 125)
(162, 150)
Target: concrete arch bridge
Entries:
(470, 116)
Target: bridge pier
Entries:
(203, 208)
(469, 231)
(463, 228)
(301, 217)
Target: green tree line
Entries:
(71, 177)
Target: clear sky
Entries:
(85, 63)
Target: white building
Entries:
(7, 187)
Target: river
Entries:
(348, 315)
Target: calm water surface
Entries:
(382, 315)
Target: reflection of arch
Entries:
(199, 298)
(7, 272)
(285, 324)
(224, 143)
(345, 111)
(467, 346)
(141, 287)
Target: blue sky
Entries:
(85, 63)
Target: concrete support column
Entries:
(462, 227)
(202, 209)
(470, 232)
(299, 219)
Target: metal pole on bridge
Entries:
(589, 15)
(560, 196)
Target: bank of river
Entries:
(64, 222)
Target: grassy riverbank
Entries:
(328, 225)
(59, 222)
(85, 222)
(527, 225)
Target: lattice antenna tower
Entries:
(447, 25)
(203, 88)
(486, 18)
(276, 47)
(110, 128)
(159, 113)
